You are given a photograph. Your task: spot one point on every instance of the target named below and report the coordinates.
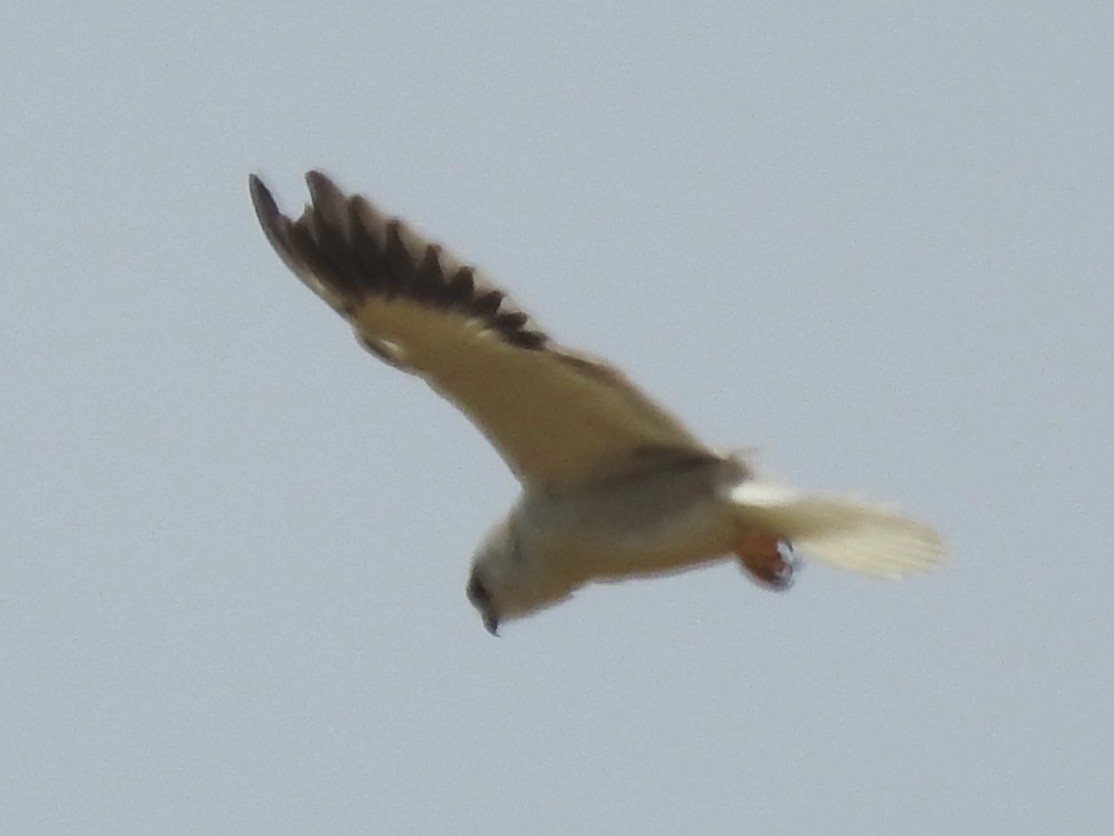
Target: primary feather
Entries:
(559, 417)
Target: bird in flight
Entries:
(613, 485)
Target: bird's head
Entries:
(509, 579)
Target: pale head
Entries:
(509, 578)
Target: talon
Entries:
(768, 560)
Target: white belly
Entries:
(655, 523)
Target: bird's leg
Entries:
(768, 559)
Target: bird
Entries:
(613, 486)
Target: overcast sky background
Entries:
(872, 240)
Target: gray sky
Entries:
(872, 240)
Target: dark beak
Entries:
(491, 623)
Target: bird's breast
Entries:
(650, 523)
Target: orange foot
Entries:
(767, 559)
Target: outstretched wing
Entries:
(558, 417)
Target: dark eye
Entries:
(477, 592)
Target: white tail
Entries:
(843, 530)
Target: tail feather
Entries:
(843, 530)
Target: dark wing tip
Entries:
(266, 209)
(276, 226)
(322, 189)
(353, 250)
